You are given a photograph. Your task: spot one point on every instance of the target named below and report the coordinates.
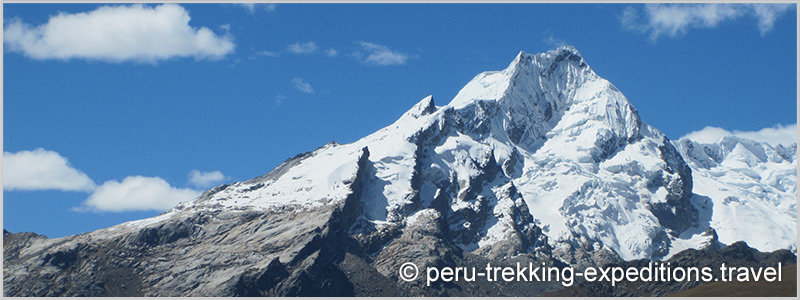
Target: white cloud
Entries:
(303, 86)
(137, 193)
(709, 134)
(331, 52)
(42, 170)
(779, 134)
(268, 53)
(630, 19)
(380, 55)
(47, 170)
(675, 20)
(251, 7)
(205, 179)
(117, 34)
(767, 14)
(303, 48)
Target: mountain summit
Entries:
(544, 161)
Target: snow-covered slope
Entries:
(746, 190)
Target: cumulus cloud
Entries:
(42, 170)
(779, 134)
(675, 20)
(303, 48)
(205, 179)
(117, 34)
(375, 54)
(303, 86)
(137, 193)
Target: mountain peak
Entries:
(564, 65)
(568, 49)
(422, 108)
(549, 58)
(562, 50)
(536, 92)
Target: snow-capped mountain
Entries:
(745, 190)
(543, 161)
(544, 145)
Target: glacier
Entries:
(746, 190)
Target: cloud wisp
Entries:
(303, 48)
(779, 134)
(551, 40)
(674, 20)
(379, 55)
(279, 99)
(253, 7)
(302, 85)
(42, 170)
(331, 52)
(268, 53)
(365, 52)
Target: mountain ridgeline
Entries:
(543, 162)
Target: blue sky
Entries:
(107, 105)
